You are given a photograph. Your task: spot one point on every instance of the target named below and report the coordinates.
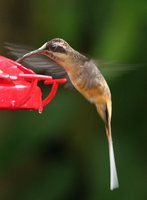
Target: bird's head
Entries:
(56, 49)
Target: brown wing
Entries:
(114, 69)
(38, 63)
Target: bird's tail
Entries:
(113, 172)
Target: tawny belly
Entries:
(91, 94)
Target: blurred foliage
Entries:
(63, 153)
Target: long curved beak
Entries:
(41, 50)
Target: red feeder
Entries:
(19, 87)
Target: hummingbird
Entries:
(87, 79)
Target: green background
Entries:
(62, 154)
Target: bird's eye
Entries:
(53, 47)
(57, 48)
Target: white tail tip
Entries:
(113, 172)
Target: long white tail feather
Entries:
(113, 172)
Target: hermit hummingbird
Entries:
(86, 77)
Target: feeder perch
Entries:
(19, 87)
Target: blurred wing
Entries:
(113, 69)
(39, 63)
